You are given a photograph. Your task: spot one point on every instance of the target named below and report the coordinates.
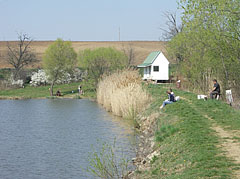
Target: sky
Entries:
(84, 20)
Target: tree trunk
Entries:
(226, 80)
(16, 74)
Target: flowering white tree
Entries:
(39, 78)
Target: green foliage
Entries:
(89, 88)
(154, 159)
(105, 163)
(173, 69)
(102, 60)
(141, 71)
(5, 73)
(209, 43)
(59, 59)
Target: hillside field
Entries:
(141, 48)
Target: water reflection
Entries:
(52, 138)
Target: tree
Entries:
(172, 27)
(20, 55)
(102, 60)
(59, 59)
(209, 42)
(130, 53)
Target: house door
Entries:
(147, 72)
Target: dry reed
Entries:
(122, 93)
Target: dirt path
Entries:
(231, 146)
(229, 141)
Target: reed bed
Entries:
(122, 94)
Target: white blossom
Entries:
(39, 78)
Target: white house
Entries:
(156, 67)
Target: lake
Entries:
(52, 138)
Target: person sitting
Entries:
(58, 93)
(170, 99)
(216, 89)
(172, 92)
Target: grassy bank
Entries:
(43, 91)
(186, 143)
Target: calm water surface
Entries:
(52, 138)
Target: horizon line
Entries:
(90, 41)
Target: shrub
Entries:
(101, 61)
(107, 163)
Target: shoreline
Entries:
(42, 92)
(47, 97)
(165, 136)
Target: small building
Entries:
(156, 67)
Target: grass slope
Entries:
(189, 147)
(43, 91)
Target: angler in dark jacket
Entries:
(170, 99)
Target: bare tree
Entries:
(130, 53)
(20, 55)
(172, 27)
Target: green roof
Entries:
(150, 59)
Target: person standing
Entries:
(216, 89)
(80, 89)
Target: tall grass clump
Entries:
(122, 93)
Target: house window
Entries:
(155, 68)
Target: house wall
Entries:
(163, 64)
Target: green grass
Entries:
(43, 91)
(188, 145)
(5, 73)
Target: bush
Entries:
(107, 163)
(101, 61)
